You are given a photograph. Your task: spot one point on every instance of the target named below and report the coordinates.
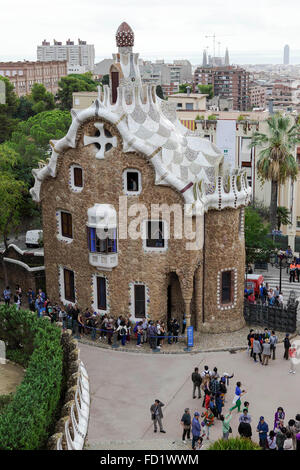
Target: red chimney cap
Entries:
(124, 35)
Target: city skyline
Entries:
(240, 28)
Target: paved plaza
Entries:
(124, 385)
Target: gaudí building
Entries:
(141, 217)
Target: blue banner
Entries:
(190, 336)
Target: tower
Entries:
(204, 61)
(286, 55)
(226, 61)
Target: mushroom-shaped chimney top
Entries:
(124, 35)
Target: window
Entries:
(132, 182)
(226, 293)
(102, 240)
(69, 286)
(78, 180)
(189, 106)
(101, 293)
(298, 222)
(66, 225)
(155, 234)
(139, 301)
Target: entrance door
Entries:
(114, 85)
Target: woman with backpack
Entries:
(122, 331)
(208, 421)
(257, 348)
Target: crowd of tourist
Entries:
(282, 435)
(96, 326)
(267, 296)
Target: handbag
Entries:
(153, 416)
(230, 430)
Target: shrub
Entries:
(234, 443)
(4, 400)
(27, 419)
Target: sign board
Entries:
(226, 140)
(190, 336)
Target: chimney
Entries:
(188, 90)
(270, 106)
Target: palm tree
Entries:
(276, 162)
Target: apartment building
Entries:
(257, 96)
(228, 82)
(81, 54)
(23, 75)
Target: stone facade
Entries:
(129, 127)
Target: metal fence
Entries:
(275, 318)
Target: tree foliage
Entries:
(31, 139)
(207, 90)
(276, 162)
(26, 421)
(234, 443)
(258, 245)
(8, 111)
(70, 84)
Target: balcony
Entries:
(102, 260)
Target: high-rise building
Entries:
(228, 82)
(81, 54)
(204, 61)
(227, 58)
(286, 55)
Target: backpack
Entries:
(123, 331)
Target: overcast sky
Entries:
(254, 31)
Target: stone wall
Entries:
(224, 249)
(103, 183)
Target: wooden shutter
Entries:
(78, 181)
(66, 225)
(114, 85)
(139, 301)
(69, 285)
(101, 293)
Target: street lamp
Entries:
(280, 261)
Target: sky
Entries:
(254, 31)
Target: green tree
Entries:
(41, 98)
(12, 192)
(183, 87)
(24, 110)
(258, 245)
(207, 90)
(276, 162)
(234, 443)
(31, 140)
(105, 80)
(8, 111)
(283, 216)
(70, 84)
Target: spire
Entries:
(204, 61)
(124, 36)
(227, 57)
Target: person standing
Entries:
(244, 428)
(208, 421)
(205, 375)
(280, 438)
(7, 295)
(196, 379)
(271, 440)
(266, 351)
(157, 415)
(196, 429)
(273, 343)
(122, 331)
(237, 397)
(262, 429)
(226, 425)
(186, 424)
(256, 348)
(292, 356)
(287, 345)
(288, 443)
(279, 418)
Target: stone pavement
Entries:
(123, 387)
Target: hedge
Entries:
(234, 443)
(27, 420)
